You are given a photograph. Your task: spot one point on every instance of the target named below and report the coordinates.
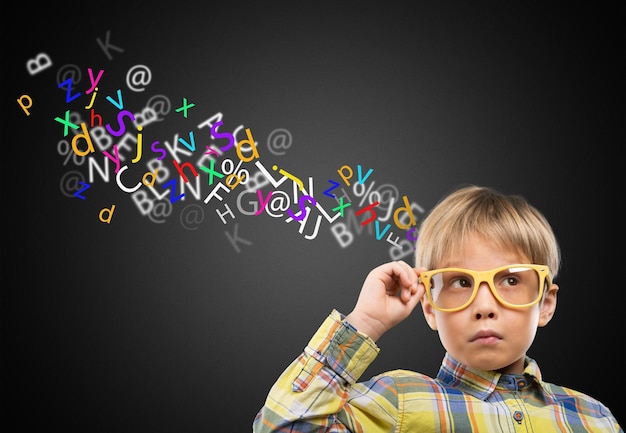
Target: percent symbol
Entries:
(242, 174)
(65, 149)
(365, 193)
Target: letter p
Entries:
(24, 106)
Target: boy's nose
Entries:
(485, 303)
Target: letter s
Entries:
(215, 134)
(155, 149)
(120, 121)
(302, 208)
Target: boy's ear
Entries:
(429, 313)
(548, 305)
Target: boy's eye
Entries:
(461, 282)
(465, 282)
(510, 281)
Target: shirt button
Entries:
(521, 383)
(517, 416)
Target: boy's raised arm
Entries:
(312, 394)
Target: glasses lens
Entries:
(451, 289)
(516, 285)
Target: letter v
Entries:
(380, 235)
(119, 103)
(363, 179)
(193, 142)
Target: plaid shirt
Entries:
(319, 392)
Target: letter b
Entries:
(38, 64)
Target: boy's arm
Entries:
(312, 393)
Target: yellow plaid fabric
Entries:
(319, 392)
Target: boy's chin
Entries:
(491, 364)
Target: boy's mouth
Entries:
(486, 336)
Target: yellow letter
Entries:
(250, 141)
(25, 107)
(150, 173)
(110, 211)
(408, 210)
(86, 136)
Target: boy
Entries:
(485, 265)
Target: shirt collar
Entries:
(482, 383)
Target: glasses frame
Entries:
(487, 277)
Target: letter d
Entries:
(250, 141)
(110, 214)
(86, 136)
(407, 208)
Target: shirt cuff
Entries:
(341, 347)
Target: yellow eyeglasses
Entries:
(514, 286)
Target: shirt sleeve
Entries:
(314, 392)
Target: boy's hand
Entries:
(389, 294)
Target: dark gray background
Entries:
(145, 327)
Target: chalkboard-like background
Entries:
(153, 324)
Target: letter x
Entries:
(341, 206)
(184, 107)
(211, 172)
(66, 122)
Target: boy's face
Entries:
(487, 335)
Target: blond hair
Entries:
(508, 220)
